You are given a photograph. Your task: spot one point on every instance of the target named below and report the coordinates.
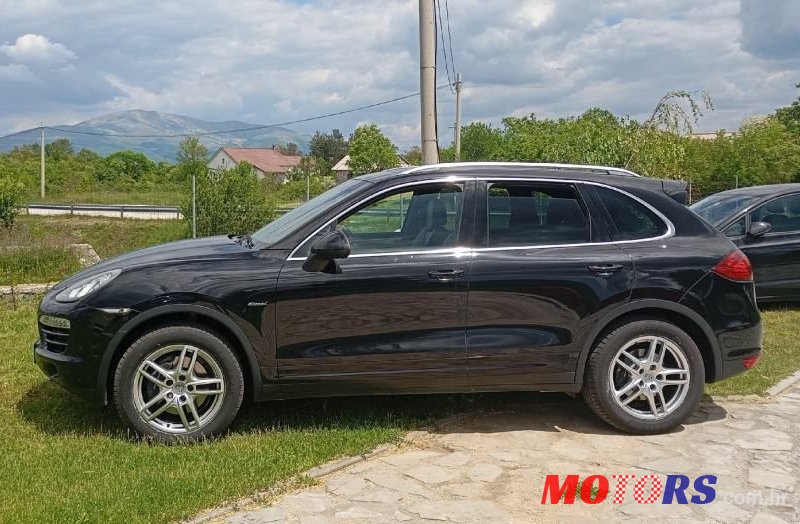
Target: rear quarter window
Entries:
(630, 219)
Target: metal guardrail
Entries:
(132, 210)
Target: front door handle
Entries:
(446, 274)
(605, 269)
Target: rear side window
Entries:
(525, 214)
(630, 219)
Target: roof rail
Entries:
(607, 169)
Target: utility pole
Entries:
(427, 81)
(194, 203)
(457, 140)
(41, 162)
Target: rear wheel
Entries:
(178, 383)
(645, 377)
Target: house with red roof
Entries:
(266, 161)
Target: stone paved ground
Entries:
(491, 468)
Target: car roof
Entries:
(614, 176)
(761, 191)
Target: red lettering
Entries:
(558, 491)
(622, 485)
(602, 489)
(655, 489)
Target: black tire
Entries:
(598, 384)
(214, 348)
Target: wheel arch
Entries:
(683, 317)
(180, 314)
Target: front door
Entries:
(538, 283)
(393, 317)
(776, 255)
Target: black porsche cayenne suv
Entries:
(444, 278)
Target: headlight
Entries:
(85, 287)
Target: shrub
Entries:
(11, 191)
(228, 202)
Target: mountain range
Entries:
(105, 134)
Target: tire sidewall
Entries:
(177, 335)
(602, 389)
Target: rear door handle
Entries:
(605, 269)
(446, 274)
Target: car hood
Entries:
(182, 250)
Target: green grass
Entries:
(108, 236)
(36, 264)
(781, 355)
(66, 460)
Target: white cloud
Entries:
(276, 60)
(31, 48)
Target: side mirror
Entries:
(325, 251)
(758, 229)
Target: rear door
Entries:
(542, 275)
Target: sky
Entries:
(265, 61)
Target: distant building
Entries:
(342, 168)
(265, 161)
(712, 136)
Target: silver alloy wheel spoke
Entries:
(188, 393)
(642, 369)
(208, 382)
(152, 377)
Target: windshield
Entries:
(717, 208)
(288, 223)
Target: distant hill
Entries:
(138, 122)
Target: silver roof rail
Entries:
(610, 170)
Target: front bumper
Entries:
(67, 371)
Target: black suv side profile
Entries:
(444, 278)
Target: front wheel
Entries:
(178, 383)
(645, 377)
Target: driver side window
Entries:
(420, 218)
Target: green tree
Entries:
(229, 202)
(789, 116)
(58, 149)
(192, 158)
(413, 155)
(126, 167)
(330, 146)
(371, 151)
(290, 149)
(481, 141)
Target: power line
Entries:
(440, 30)
(227, 131)
(450, 37)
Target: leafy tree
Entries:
(58, 149)
(11, 191)
(330, 146)
(290, 149)
(371, 151)
(192, 158)
(481, 141)
(414, 155)
(790, 116)
(229, 201)
(126, 166)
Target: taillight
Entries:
(736, 267)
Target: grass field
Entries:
(108, 236)
(36, 264)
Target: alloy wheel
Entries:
(650, 377)
(178, 389)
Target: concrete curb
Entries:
(784, 385)
(315, 473)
